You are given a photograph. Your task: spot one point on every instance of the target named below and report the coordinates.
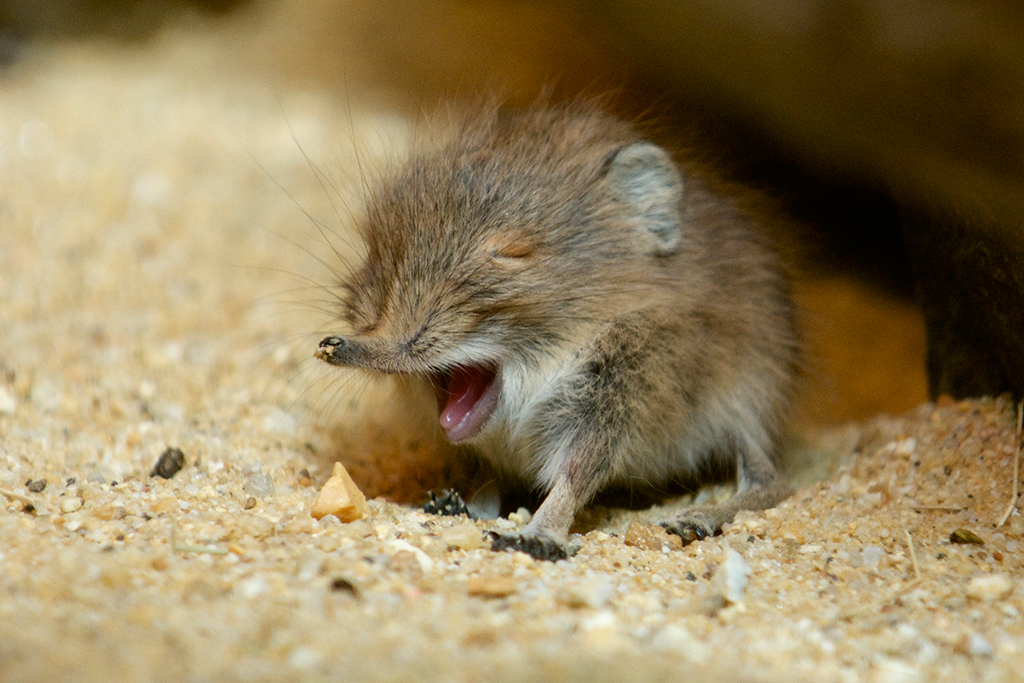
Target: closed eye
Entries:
(507, 246)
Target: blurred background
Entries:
(859, 117)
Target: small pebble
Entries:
(979, 647)
(340, 497)
(170, 463)
(974, 645)
(259, 484)
(730, 579)
(592, 592)
(8, 403)
(249, 503)
(70, 504)
(675, 638)
(869, 557)
(343, 585)
(491, 586)
(965, 536)
(990, 587)
(36, 486)
(600, 631)
(522, 516)
(647, 537)
(463, 536)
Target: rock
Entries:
(491, 586)
(990, 587)
(977, 646)
(522, 516)
(676, 638)
(340, 497)
(730, 579)
(869, 557)
(591, 592)
(70, 504)
(169, 463)
(8, 403)
(600, 631)
(973, 645)
(648, 537)
(259, 484)
(965, 536)
(463, 536)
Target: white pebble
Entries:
(893, 671)
(521, 516)
(259, 484)
(70, 504)
(464, 536)
(990, 587)
(905, 446)
(870, 556)
(7, 402)
(253, 587)
(591, 592)
(977, 646)
(730, 578)
(426, 564)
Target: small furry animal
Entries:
(588, 313)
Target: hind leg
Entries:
(760, 486)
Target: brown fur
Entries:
(639, 326)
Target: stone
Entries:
(730, 579)
(491, 586)
(463, 536)
(990, 587)
(340, 497)
(647, 537)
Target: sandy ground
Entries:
(157, 265)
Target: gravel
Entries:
(141, 259)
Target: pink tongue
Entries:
(457, 400)
(464, 389)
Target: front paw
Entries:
(693, 526)
(538, 547)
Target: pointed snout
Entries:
(367, 354)
(341, 351)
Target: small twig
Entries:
(16, 496)
(913, 556)
(185, 548)
(1016, 468)
(938, 508)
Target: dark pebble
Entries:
(965, 536)
(170, 462)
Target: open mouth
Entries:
(466, 397)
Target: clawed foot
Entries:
(695, 525)
(538, 547)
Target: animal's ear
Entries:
(644, 179)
